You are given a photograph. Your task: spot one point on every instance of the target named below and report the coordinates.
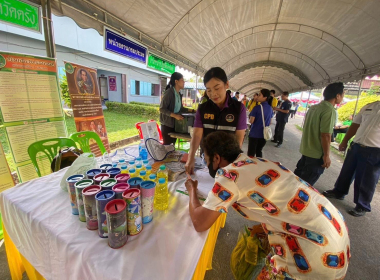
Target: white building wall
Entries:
(113, 95)
(81, 46)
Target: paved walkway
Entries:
(364, 234)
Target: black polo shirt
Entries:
(282, 117)
(230, 118)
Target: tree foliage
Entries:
(347, 110)
(65, 91)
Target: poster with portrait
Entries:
(86, 102)
(112, 83)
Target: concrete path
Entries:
(364, 234)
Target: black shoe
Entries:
(274, 141)
(357, 212)
(278, 145)
(333, 194)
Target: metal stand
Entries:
(48, 28)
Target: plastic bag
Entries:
(81, 165)
(248, 257)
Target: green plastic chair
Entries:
(50, 147)
(340, 137)
(83, 139)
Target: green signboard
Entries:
(160, 64)
(20, 14)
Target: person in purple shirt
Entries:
(256, 135)
(219, 113)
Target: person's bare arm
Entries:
(240, 136)
(201, 217)
(326, 140)
(194, 145)
(350, 133)
(251, 120)
(280, 110)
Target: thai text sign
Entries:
(20, 14)
(86, 103)
(160, 64)
(30, 108)
(118, 44)
(112, 83)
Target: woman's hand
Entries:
(189, 166)
(176, 116)
(191, 185)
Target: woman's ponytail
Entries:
(175, 76)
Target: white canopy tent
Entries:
(286, 45)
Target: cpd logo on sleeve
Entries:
(230, 118)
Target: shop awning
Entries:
(286, 45)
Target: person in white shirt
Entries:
(362, 162)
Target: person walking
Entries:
(295, 110)
(236, 97)
(256, 135)
(292, 109)
(316, 136)
(307, 233)
(362, 162)
(244, 101)
(253, 103)
(282, 117)
(171, 107)
(274, 100)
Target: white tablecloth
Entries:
(37, 216)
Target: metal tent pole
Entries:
(357, 98)
(48, 28)
(307, 102)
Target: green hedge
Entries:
(144, 104)
(134, 109)
(347, 109)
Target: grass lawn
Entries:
(119, 126)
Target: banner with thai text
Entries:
(30, 108)
(86, 102)
(116, 43)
